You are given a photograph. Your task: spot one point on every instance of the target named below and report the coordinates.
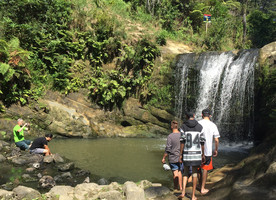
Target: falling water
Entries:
(222, 82)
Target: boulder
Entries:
(132, 191)
(26, 159)
(23, 192)
(4, 194)
(2, 158)
(48, 159)
(111, 195)
(47, 182)
(153, 192)
(272, 168)
(145, 184)
(87, 191)
(58, 158)
(16, 152)
(62, 192)
(113, 186)
(66, 167)
(268, 53)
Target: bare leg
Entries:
(204, 178)
(180, 182)
(185, 178)
(194, 188)
(175, 179)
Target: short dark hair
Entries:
(206, 112)
(190, 114)
(49, 135)
(174, 124)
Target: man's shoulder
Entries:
(206, 122)
(16, 127)
(174, 134)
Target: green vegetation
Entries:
(66, 45)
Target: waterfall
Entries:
(222, 82)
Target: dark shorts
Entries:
(208, 164)
(175, 166)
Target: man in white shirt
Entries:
(210, 131)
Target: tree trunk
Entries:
(244, 9)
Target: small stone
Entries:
(66, 175)
(86, 180)
(58, 178)
(30, 169)
(66, 167)
(39, 175)
(82, 173)
(36, 165)
(103, 181)
(47, 182)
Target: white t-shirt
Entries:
(210, 131)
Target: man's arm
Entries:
(202, 155)
(22, 128)
(164, 157)
(167, 149)
(181, 152)
(47, 148)
(216, 147)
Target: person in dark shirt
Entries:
(191, 150)
(172, 150)
(40, 145)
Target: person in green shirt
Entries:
(18, 133)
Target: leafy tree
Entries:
(14, 73)
(262, 28)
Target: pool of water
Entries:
(134, 159)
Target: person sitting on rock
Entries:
(40, 145)
(18, 134)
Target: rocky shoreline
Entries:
(33, 176)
